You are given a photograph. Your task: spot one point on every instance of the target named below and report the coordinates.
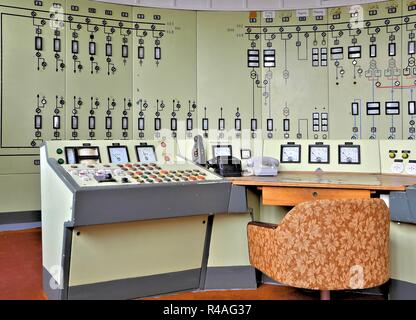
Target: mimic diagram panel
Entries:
(229, 98)
(83, 70)
(292, 55)
(335, 73)
(86, 70)
(366, 85)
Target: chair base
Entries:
(325, 295)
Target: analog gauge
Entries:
(349, 154)
(411, 168)
(245, 154)
(290, 153)
(118, 154)
(397, 167)
(318, 154)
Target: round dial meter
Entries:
(397, 167)
(290, 153)
(411, 168)
(349, 154)
(319, 154)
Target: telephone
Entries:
(226, 166)
(263, 166)
(198, 151)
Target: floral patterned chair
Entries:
(325, 245)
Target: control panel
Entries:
(104, 163)
(106, 197)
(398, 157)
(325, 155)
(136, 173)
(347, 72)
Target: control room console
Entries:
(117, 212)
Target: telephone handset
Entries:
(263, 166)
(198, 151)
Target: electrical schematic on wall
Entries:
(340, 73)
(83, 70)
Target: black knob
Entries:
(124, 180)
(108, 176)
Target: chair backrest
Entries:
(335, 244)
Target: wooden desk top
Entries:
(344, 180)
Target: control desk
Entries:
(123, 219)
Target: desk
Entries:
(291, 188)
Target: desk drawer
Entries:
(278, 196)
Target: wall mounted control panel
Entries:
(347, 73)
(367, 156)
(398, 157)
(325, 155)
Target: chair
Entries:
(325, 245)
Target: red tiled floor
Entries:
(21, 265)
(21, 276)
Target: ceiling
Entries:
(240, 5)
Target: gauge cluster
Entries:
(319, 153)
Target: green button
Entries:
(61, 161)
(59, 151)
